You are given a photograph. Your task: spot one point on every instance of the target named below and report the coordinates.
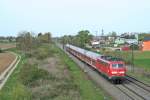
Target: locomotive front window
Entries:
(117, 65)
(120, 65)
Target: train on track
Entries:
(113, 68)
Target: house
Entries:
(125, 48)
(95, 42)
(146, 44)
(131, 41)
(98, 41)
(119, 41)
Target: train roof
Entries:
(94, 55)
(110, 58)
(83, 51)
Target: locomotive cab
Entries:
(117, 70)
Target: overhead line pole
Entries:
(132, 58)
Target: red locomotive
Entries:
(113, 68)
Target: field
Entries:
(49, 74)
(142, 59)
(7, 45)
(5, 60)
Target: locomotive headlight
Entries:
(122, 72)
(114, 72)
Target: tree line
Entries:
(81, 39)
(26, 41)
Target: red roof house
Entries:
(146, 44)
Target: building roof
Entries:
(146, 38)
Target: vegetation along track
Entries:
(134, 89)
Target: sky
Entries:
(67, 17)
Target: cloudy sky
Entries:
(69, 16)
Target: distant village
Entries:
(123, 42)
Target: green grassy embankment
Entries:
(142, 59)
(49, 74)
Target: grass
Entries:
(143, 63)
(142, 59)
(30, 81)
(140, 76)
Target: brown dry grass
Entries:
(60, 86)
(5, 60)
(7, 45)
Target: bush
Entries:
(41, 53)
(31, 73)
(20, 92)
(1, 50)
(45, 51)
(103, 49)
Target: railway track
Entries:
(134, 89)
(140, 83)
(129, 93)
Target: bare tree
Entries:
(24, 41)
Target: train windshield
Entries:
(117, 65)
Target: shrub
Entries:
(31, 73)
(20, 92)
(1, 50)
(41, 53)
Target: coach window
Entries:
(99, 62)
(93, 61)
(104, 63)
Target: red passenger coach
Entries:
(113, 68)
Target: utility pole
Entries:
(132, 58)
(102, 32)
(96, 33)
(63, 42)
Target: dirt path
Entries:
(5, 60)
(10, 68)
